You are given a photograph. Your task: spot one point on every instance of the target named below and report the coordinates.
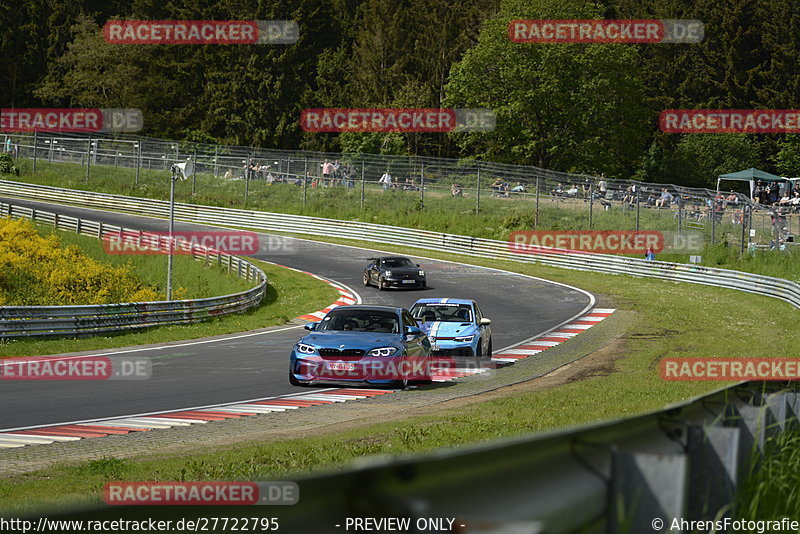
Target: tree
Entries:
(576, 107)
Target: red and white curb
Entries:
(143, 423)
(552, 338)
(346, 296)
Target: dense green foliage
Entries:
(587, 108)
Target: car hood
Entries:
(352, 340)
(448, 329)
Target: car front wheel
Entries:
(365, 279)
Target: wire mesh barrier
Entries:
(451, 192)
(31, 321)
(393, 235)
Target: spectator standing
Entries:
(327, 172)
(650, 254)
(386, 180)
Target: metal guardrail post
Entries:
(536, 216)
(591, 203)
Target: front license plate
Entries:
(434, 346)
(409, 281)
(340, 366)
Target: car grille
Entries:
(465, 351)
(336, 353)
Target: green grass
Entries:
(289, 295)
(771, 490)
(669, 319)
(498, 217)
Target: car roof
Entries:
(444, 301)
(380, 258)
(361, 307)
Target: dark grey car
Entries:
(394, 271)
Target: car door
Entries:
(375, 270)
(416, 346)
(370, 270)
(485, 330)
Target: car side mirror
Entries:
(311, 326)
(413, 331)
(418, 265)
(485, 321)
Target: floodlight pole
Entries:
(171, 228)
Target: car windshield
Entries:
(361, 321)
(397, 263)
(451, 313)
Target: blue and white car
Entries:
(377, 345)
(456, 327)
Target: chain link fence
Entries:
(460, 196)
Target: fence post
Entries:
(34, 149)
(478, 191)
(362, 185)
(591, 203)
(194, 165)
(745, 216)
(422, 186)
(305, 180)
(637, 207)
(216, 158)
(138, 161)
(88, 160)
(536, 216)
(713, 224)
(246, 178)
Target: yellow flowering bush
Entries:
(37, 270)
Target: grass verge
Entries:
(289, 294)
(670, 319)
(439, 211)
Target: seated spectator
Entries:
(664, 200)
(785, 199)
(572, 192)
(731, 199)
(795, 202)
(498, 188)
(455, 190)
(519, 188)
(557, 193)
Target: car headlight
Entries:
(383, 351)
(465, 339)
(302, 348)
(422, 273)
(388, 273)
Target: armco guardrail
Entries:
(631, 476)
(684, 462)
(377, 233)
(30, 321)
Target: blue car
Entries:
(376, 345)
(456, 327)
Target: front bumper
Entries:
(313, 369)
(404, 282)
(454, 349)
